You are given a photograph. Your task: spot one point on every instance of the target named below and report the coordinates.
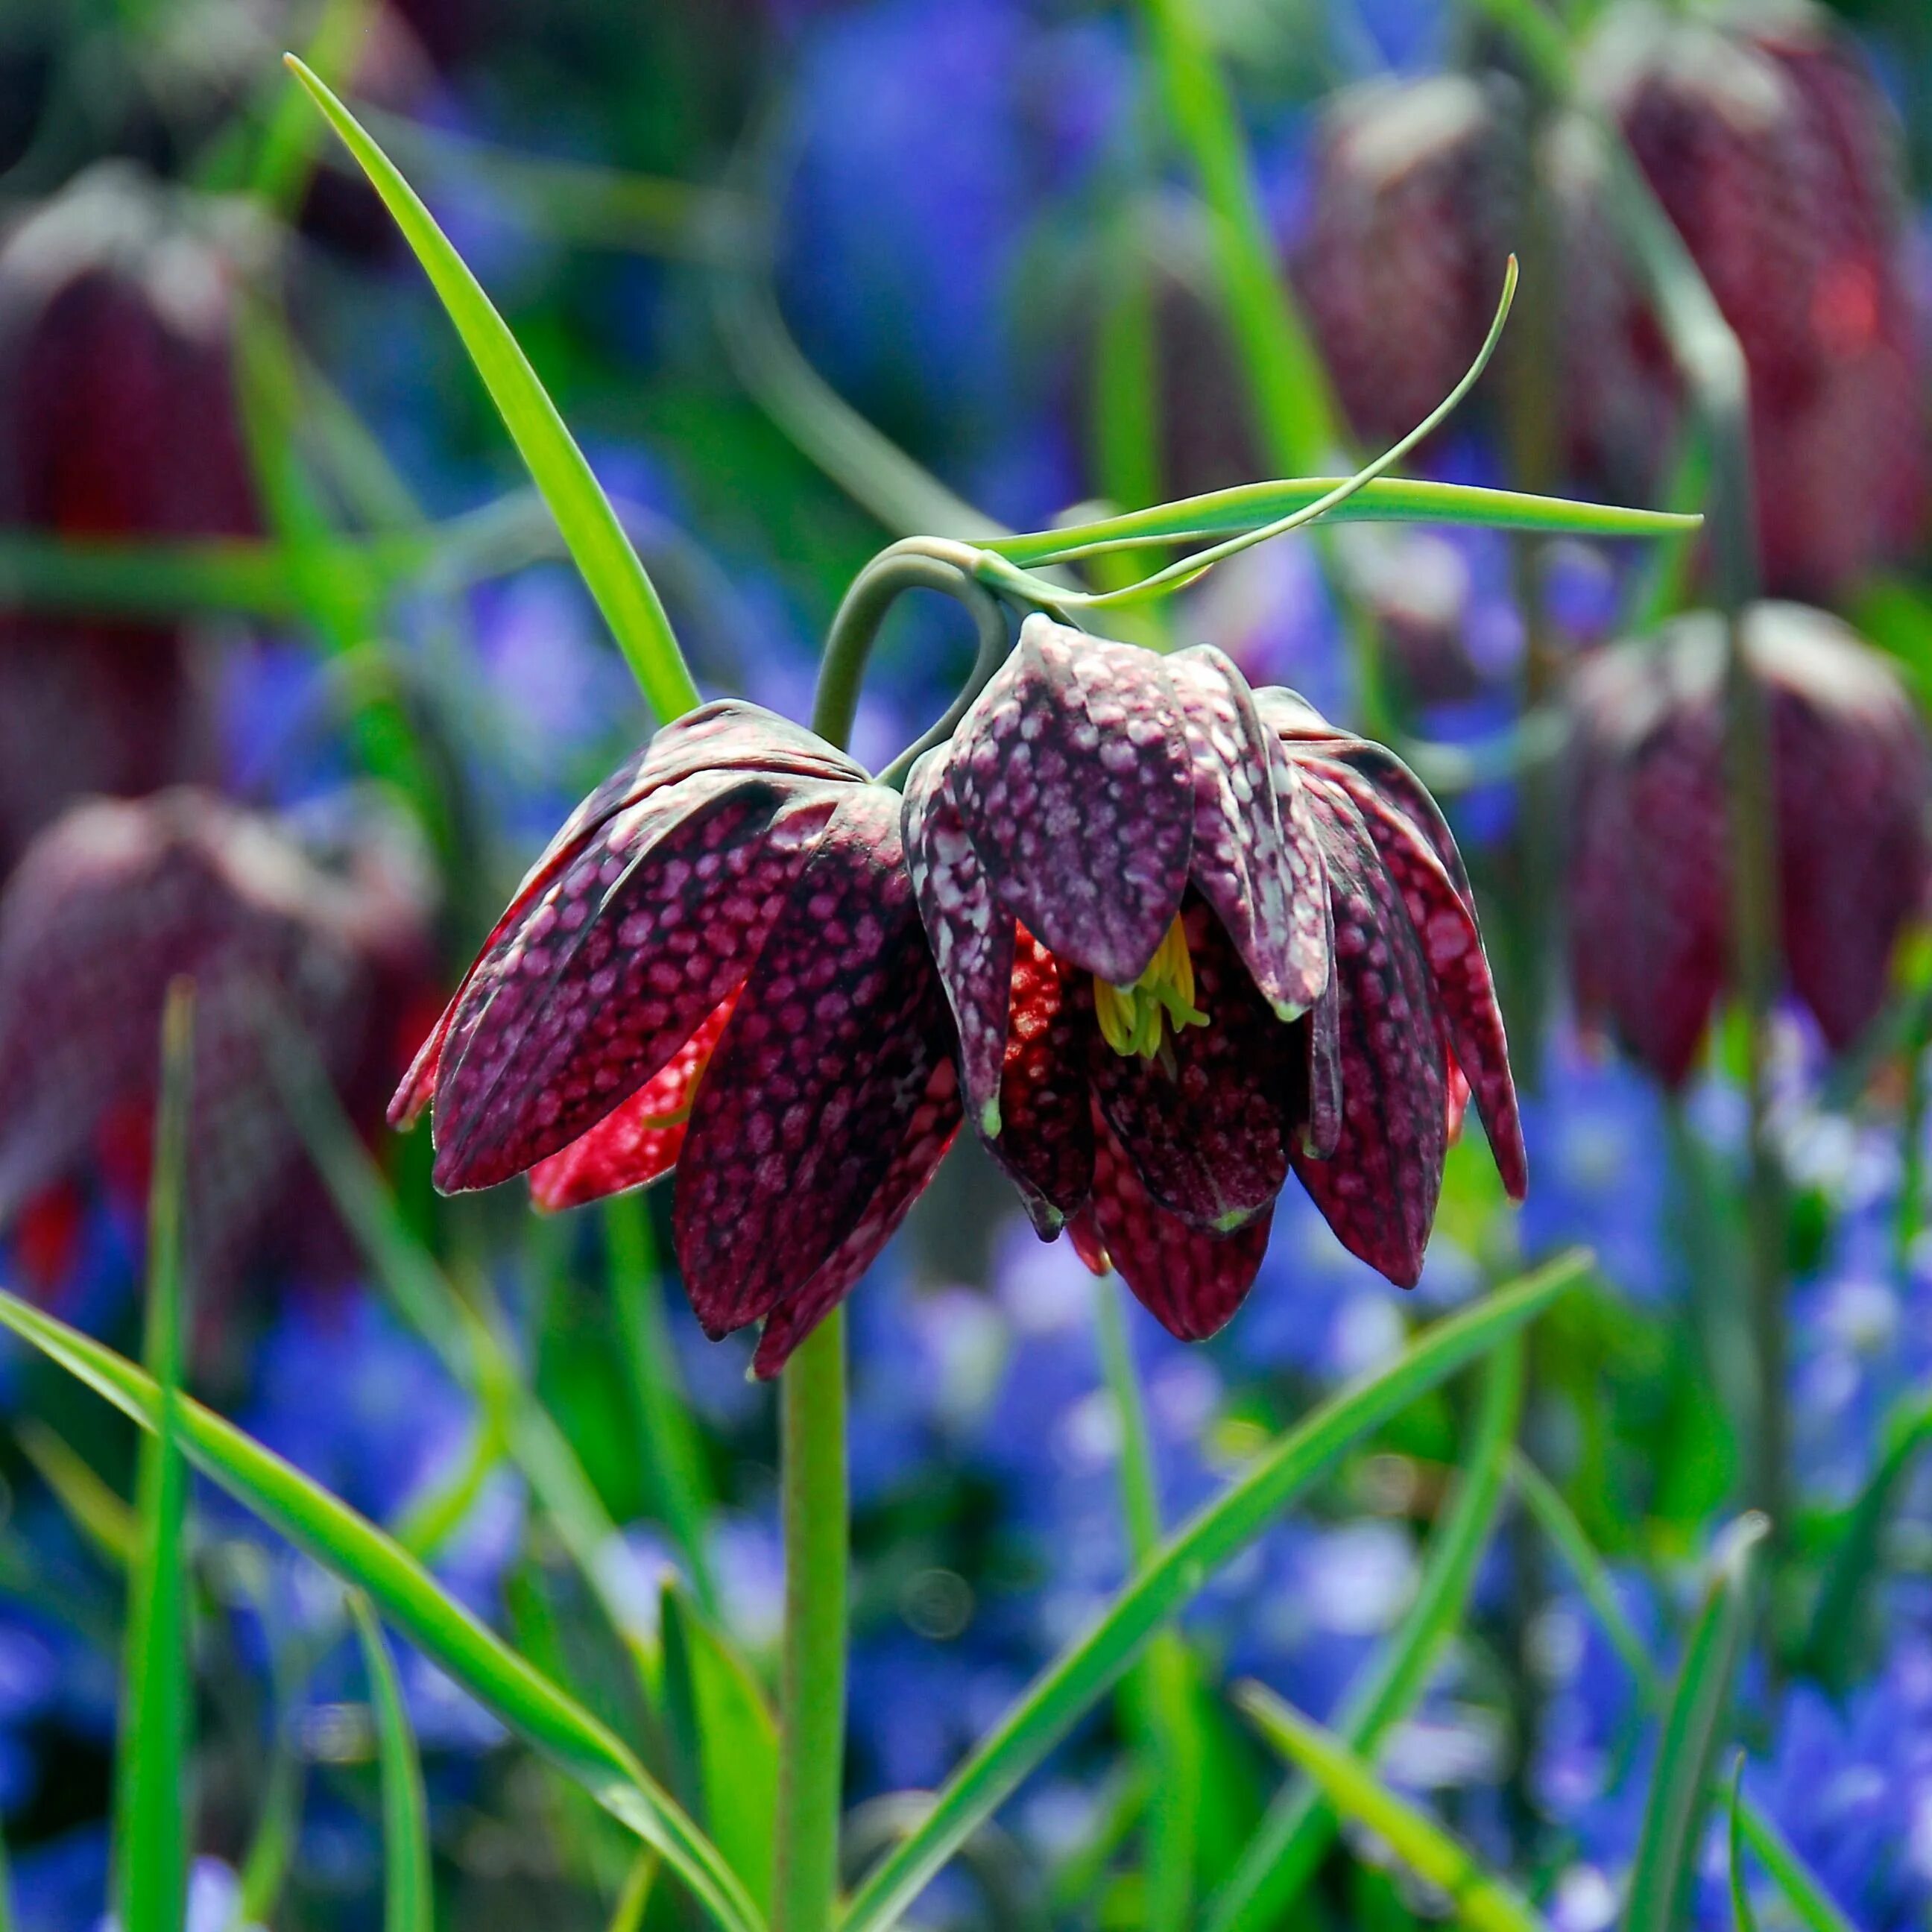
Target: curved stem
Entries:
(916, 563)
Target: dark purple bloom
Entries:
(1649, 878)
(717, 965)
(117, 419)
(1195, 938)
(116, 899)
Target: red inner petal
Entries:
(641, 1139)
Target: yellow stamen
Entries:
(1136, 1019)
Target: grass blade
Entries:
(616, 579)
(1792, 1876)
(1807, 1898)
(1693, 1730)
(1477, 1898)
(1288, 1846)
(729, 1736)
(1166, 1710)
(409, 1890)
(1559, 1522)
(1084, 1672)
(1386, 499)
(150, 1799)
(468, 1346)
(1292, 403)
(353, 1549)
(1741, 1905)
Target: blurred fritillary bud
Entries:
(117, 419)
(117, 898)
(1648, 874)
(1415, 184)
(1775, 152)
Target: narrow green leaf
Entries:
(353, 1549)
(1387, 499)
(1837, 1622)
(618, 581)
(1163, 1680)
(1587, 1568)
(673, 1463)
(150, 1829)
(468, 1346)
(409, 1889)
(1287, 1847)
(102, 1516)
(1559, 1522)
(1741, 1905)
(1693, 1730)
(1476, 1897)
(1803, 1893)
(634, 1901)
(728, 1735)
(1069, 1686)
(1293, 407)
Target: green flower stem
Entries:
(916, 563)
(1711, 362)
(812, 1745)
(814, 1503)
(1161, 1696)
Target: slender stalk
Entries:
(1711, 363)
(915, 563)
(1160, 1687)
(811, 1747)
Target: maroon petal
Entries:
(1400, 788)
(1046, 1141)
(1257, 866)
(971, 933)
(1465, 991)
(639, 1141)
(1379, 1189)
(1203, 1124)
(1072, 777)
(833, 1044)
(727, 736)
(1190, 1279)
(1321, 1130)
(928, 1134)
(598, 978)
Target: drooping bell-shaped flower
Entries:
(1195, 939)
(1410, 217)
(1772, 145)
(117, 419)
(716, 966)
(116, 899)
(1649, 892)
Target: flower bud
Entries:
(1649, 892)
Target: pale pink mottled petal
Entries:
(1203, 1123)
(971, 931)
(600, 976)
(927, 1134)
(1321, 1133)
(1189, 1279)
(834, 1043)
(639, 1141)
(1258, 866)
(1379, 1188)
(1072, 777)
